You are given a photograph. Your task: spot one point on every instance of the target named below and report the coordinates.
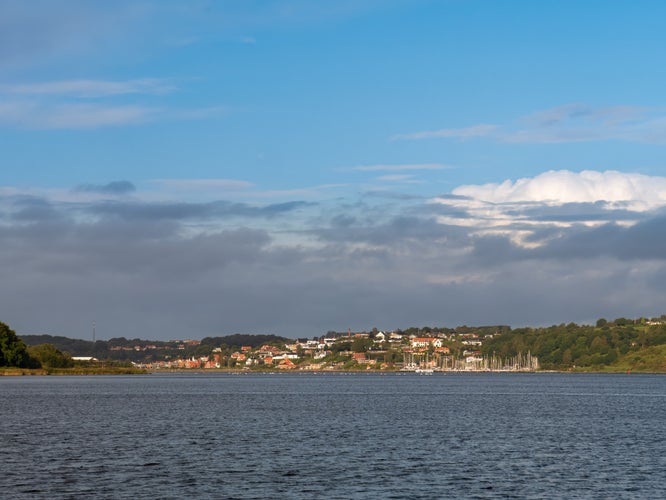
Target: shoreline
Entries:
(92, 371)
(79, 371)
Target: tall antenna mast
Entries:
(93, 331)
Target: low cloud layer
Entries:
(559, 247)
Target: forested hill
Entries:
(75, 347)
(147, 350)
(622, 344)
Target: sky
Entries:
(176, 170)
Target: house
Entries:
(286, 364)
(426, 342)
(268, 351)
(191, 363)
(280, 357)
(238, 356)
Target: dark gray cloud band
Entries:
(148, 269)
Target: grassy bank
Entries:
(21, 371)
(78, 370)
(647, 360)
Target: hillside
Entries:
(618, 345)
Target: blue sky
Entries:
(185, 169)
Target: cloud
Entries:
(558, 247)
(84, 34)
(642, 241)
(182, 211)
(577, 111)
(36, 115)
(91, 88)
(483, 130)
(44, 30)
(406, 179)
(34, 209)
(568, 123)
(213, 189)
(89, 104)
(399, 173)
(400, 167)
(202, 184)
(523, 209)
(584, 123)
(115, 187)
(636, 191)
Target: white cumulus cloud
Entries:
(522, 209)
(634, 191)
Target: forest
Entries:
(638, 344)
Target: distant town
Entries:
(377, 350)
(422, 350)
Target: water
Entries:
(333, 436)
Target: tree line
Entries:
(14, 353)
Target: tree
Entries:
(361, 344)
(12, 349)
(50, 357)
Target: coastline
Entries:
(86, 371)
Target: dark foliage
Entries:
(49, 356)
(567, 346)
(13, 351)
(138, 350)
(239, 340)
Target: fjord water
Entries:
(333, 436)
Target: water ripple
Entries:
(337, 436)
